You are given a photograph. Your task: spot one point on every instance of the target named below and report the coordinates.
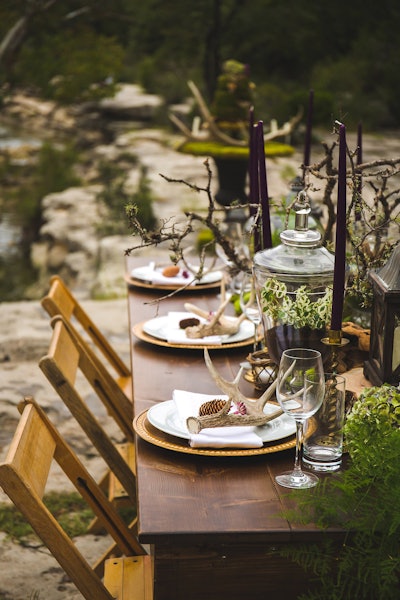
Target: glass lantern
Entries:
(294, 287)
(383, 364)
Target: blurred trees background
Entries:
(348, 52)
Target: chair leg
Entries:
(95, 527)
(111, 486)
(130, 578)
(111, 552)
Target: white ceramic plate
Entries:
(165, 417)
(145, 274)
(160, 328)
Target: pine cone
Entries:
(211, 407)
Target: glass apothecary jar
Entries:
(294, 287)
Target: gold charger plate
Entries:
(146, 337)
(140, 283)
(151, 434)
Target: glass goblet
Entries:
(300, 391)
(249, 304)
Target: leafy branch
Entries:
(373, 218)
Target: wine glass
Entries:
(249, 304)
(300, 391)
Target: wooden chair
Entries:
(23, 477)
(68, 357)
(60, 301)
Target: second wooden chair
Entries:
(69, 362)
(60, 301)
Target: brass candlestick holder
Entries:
(335, 340)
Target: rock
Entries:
(69, 239)
(130, 102)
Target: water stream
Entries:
(16, 271)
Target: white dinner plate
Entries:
(161, 328)
(144, 273)
(164, 416)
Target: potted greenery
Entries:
(225, 134)
(364, 499)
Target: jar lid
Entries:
(301, 252)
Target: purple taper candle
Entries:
(263, 188)
(359, 161)
(359, 144)
(253, 178)
(359, 152)
(307, 143)
(340, 243)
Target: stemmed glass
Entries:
(300, 391)
(249, 304)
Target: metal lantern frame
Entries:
(383, 364)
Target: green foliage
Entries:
(164, 80)
(116, 197)
(299, 309)
(234, 93)
(70, 510)
(290, 46)
(54, 172)
(76, 69)
(205, 240)
(364, 500)
(143, 200)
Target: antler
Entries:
(214, 132)
(254, 414)
(217, 323)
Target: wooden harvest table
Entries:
(214, 523)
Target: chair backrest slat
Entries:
(32, 451)
(58, 367)
(60, 300)
(108, 390)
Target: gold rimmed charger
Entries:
(146, 337)
(141, 283)
(151, 434)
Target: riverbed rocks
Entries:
(68, 242)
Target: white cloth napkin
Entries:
(188, 404)
(175, 335)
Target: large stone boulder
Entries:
(69, 238)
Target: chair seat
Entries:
(129, 578)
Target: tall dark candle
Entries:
(307, 143)
(340, 243)
(263, 187)
(254, 192)
(359, 154)
(359, 144)
(359, 161)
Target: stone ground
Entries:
(28, 572)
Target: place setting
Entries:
(197, 328)
(167, 276)
(223, 424)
